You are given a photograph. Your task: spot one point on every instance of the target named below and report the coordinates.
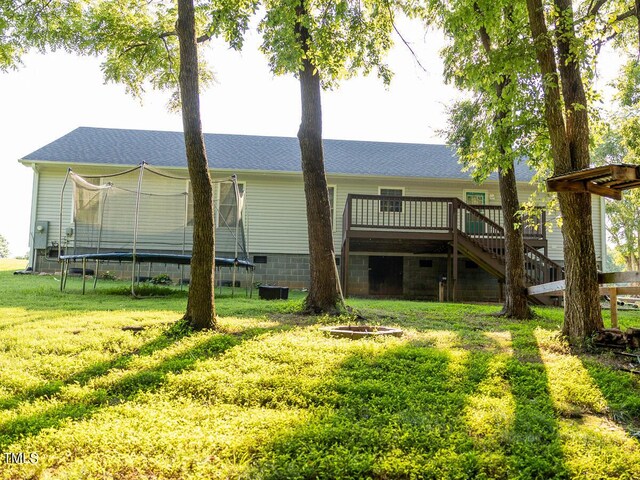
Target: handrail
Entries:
(441, 214)
(397, 212)
(390, 212)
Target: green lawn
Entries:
(462, 394)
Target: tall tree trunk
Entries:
(570, 150)
(323, 293)
(200, 306)
(516, 303)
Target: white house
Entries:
(405, 216)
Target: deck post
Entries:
(344, 267)
(448, 285)
(613, 299)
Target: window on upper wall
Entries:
(391, 205)
(332, 205)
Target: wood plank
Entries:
(399, 235)
(621, 290)
(554, 185)
(583, 186)
(550, 288)
(607, 181)
(624, 172)
(619, 277)
(603, 191)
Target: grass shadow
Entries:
(52, 388)
(535, 444)
(620, 389)
(408, 413)
(34, 415)
(394, 415)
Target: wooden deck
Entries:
(437, 225)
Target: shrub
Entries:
(162, 279)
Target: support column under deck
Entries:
(344, 267)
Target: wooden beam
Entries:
(582, 186)
(554, 185)
(550, 288)
(619, 277)
(607, 181)
(618, 172)
(603, 191)
(624, 172)
(621, 290)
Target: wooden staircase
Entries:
(482, 240)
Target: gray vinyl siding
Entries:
(275, 213)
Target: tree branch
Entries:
(595, 8)
(170, 58)
(406, 44)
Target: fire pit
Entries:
(360, 331)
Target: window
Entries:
(259, 259)
(332, 205)
(391, 205)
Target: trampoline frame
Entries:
(137, 258)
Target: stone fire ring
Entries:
(361, 331)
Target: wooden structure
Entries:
(607, 181)
(437, 225)
(612, 284)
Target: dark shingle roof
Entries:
(108, 146)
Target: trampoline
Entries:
(143, 215)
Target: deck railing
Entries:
(423, 213)
(482, 225)
(539, 268)
(534, 225)
(407, 213)
(482, 231)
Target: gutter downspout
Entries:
(34, 210)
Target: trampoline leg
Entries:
(84, 275)
(64, 263)
(95, 277)
(233, 281)
(66, 273)
(253, 277)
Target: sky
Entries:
(54, 93)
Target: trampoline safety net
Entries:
(144, 210)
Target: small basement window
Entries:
(259, 259)
(426, 263)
